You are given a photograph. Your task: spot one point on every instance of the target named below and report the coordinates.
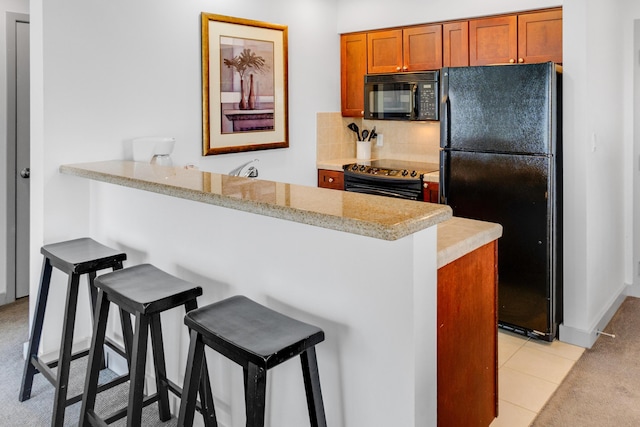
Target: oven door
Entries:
(390, 100)
(410, 189)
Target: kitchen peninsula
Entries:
(363, 268)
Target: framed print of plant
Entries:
(244, 85)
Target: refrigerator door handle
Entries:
(444, 122)
(445, 110)
(442, 195)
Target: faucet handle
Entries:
(251, 171)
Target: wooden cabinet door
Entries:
(430, 192)
(455, 44)
(330, 179)
(493, 40)
(422, 48)
(468, 339)
(384, 51)
(353, 67)
(540, 37)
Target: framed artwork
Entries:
(244, 85)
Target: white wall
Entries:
(110, 71)
(14, 6)
(594, 168)
(358, 15)
(631, 56)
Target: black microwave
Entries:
(402, 96)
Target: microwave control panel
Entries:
(428, 99)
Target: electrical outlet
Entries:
(379, 140)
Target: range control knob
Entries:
(354, 167)
(405, 172)
(362, 168)
(413, 174)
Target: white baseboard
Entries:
(633, 291)
(586, 338)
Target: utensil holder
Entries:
(363, 150)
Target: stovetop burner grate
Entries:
(396, 169)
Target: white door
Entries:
(18, 148)
(22, 159)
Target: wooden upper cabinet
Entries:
(410, 49)
(384, 51)
(422, 48)
(455, 44)
(524, 38)
(353, 67)
(493, 40)
(540, 36)
(527, 37)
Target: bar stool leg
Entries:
(138, 363)
(127, 335)
(193, 373)
(312, 388)
(255, 393)
(36, 331)
(206, 395)
(160, 367)
(64, 359)
(95, 356)
(93, 296)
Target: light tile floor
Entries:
(529, 371)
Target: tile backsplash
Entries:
(413, 141)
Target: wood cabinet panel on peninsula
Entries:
(467, 339)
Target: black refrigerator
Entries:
(500, 161)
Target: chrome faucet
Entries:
(243, 170)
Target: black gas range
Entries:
(394, 178)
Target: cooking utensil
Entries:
(365, 134)
(354, 127)
(371, 135)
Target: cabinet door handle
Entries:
(398, 68)
(511, 61)
(520, 60)
(405, 68)
(330, 179)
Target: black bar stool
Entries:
(75, 258)
(258, 339)
(144, 291)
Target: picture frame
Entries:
(244, 85)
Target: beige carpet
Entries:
(36, 412)
(603, 388)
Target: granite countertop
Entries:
(373, 216)
(459, 236)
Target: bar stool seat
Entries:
(258, 339)
(75, 258)
(143, 291)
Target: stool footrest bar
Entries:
(148, 400)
